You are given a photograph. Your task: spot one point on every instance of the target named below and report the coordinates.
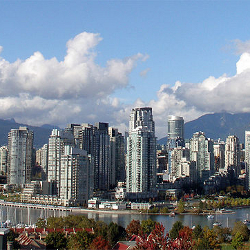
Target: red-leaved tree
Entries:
(99, 243)
(157, 240)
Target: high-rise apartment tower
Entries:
(20, 146)
(141, 155)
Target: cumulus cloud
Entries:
(77, 76)
(191, 100)
(241, 47)
(39, 90)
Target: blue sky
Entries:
(177, 56)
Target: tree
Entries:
(72, 221)
(185, 238)
(223, 233)
(154, 210)
(101, 229)
(181, 206)
(174, 232)
(201, 205)
(237, 241)
(164, 210)
(115, 233)
(99, 243)
(147, 226)
(211, 238)
(197, 232)
(56, 240)
(55, 222)
(86, 223)
(80, 240)
(240, 227)
(41, 223)
(155, 241)
(134, 227)
(11, 236)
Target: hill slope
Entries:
(218, 125)
(41, 134)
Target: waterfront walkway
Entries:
(62, 208)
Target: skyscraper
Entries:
(247, 156)
(3, 159)
(42, 158)
(175, 137)
(55, 150)
(141, 155)
(219, 156)
(103, 157)
(232, 154)
(20, 146)
(175, 127)
(76, 176)
(117, 155)
(202, 153)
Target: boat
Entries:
(246, 222)
(217, 224)
(210, 217)
(172, 214)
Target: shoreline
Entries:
(99, 211)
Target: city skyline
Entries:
(97, 60)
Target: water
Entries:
(30, 216)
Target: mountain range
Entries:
(41, 134)
(217, 125)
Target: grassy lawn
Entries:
(226, 247)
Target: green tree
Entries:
(237, 241)
(174, 232)
(86, 223)
(154, 210)
(72, 221)
(240, 227)
(223, 233)
(115, 233)
(201, 205)
(11, 236)
(80, 240)
(164, 210)
(147, 226)
(181, 206)
(197, 232)
(201, 244)
(101, 229)
(41, 223)
(55, 222)
(56, 240)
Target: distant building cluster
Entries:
(84, 160)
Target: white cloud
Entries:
(244, 63)
(77, 76)
(38, 90)
(144, 72)
(191, 100)
(241, 47)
